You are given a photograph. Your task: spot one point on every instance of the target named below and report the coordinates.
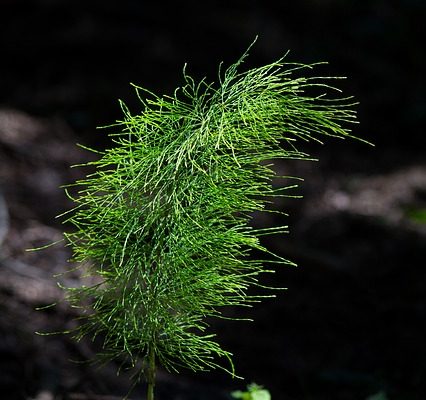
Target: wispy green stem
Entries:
(150, 373)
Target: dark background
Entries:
(351, 324)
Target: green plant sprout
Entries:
(162, 224)
(253, 392)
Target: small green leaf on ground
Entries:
(254, 392)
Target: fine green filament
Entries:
(163, 223)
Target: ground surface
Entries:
(351, 324)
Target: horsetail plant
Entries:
(163, 223)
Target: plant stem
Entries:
(150, 373)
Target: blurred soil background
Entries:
(351, 325)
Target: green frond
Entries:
(164, 220)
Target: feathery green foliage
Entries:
(163, 222)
